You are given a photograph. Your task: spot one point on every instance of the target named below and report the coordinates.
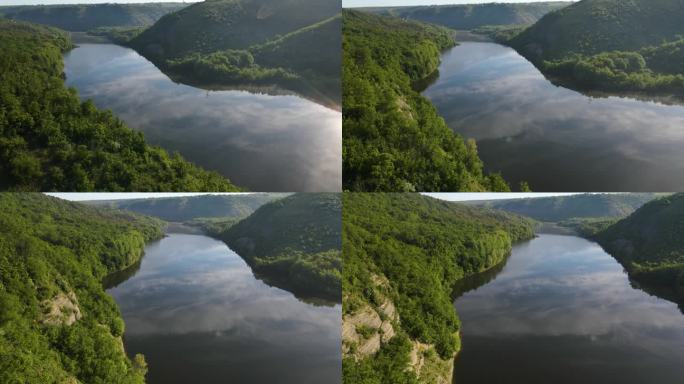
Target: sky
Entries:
(396, 3)
(491, 196)
(123, 196)
(27, 2)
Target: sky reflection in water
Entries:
(563, 311)
(194, 310)
(552, 137)
(262, 142)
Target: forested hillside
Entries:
(50, 140)
(559, 208)
(400, 265)
(393, 138)
(184, 208)
(294, 243)
(650, 245)
(610, 45)
(471, 16)
(293, 43)
(84, 17)
(57, 325)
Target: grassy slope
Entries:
(84, 17)
(292, 43)
(421, 246)
(470, 16)
(50, 140)
(559, 208)
(294, 243)
(650, 245)
(393, 138)
(51, 248)
(610, 45)
(185, 208)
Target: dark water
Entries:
(197, 313)
(561, 310)
(261, 142)
(554, 138)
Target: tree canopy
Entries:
(393, 138)
(56, 322)
(51, 141)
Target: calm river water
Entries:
(562, 310)
(261, 142)
(198, 314)
(554, 138)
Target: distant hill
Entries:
(611, 46)
(650, 245)
(471, 16)
(593, 26)
(294, 243)
(559, 208)
(186, 208)
(403, 254)
(84, 17)
(291, 43)
(57, 324)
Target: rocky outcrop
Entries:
(61, 310)
(365, 330)
(370, 326)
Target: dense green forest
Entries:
(471, 16)
(400, 265)
(50, 140)
(393, 138)
(294, 44)
(185, 208)
(560, 208)
(650, 245)
(294, 243)
(84, 17)
(57, 325)
(610, 45)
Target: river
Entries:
(198, 314)
(554, 138)
(561, 310)
(262, 142)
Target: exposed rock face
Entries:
(61, 310)
(368, 328)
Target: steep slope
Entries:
(401, 263)
(290, 43)
(84, 17)
(57, 325)
(393, 138)
(610, 45)
(650, 245)
(186, 208)
(471, 16)
(294, 243)
(559, 208)
(50, 140)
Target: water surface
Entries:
(554, 138)
(562, 310)
(195, 310)
(261, 142)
